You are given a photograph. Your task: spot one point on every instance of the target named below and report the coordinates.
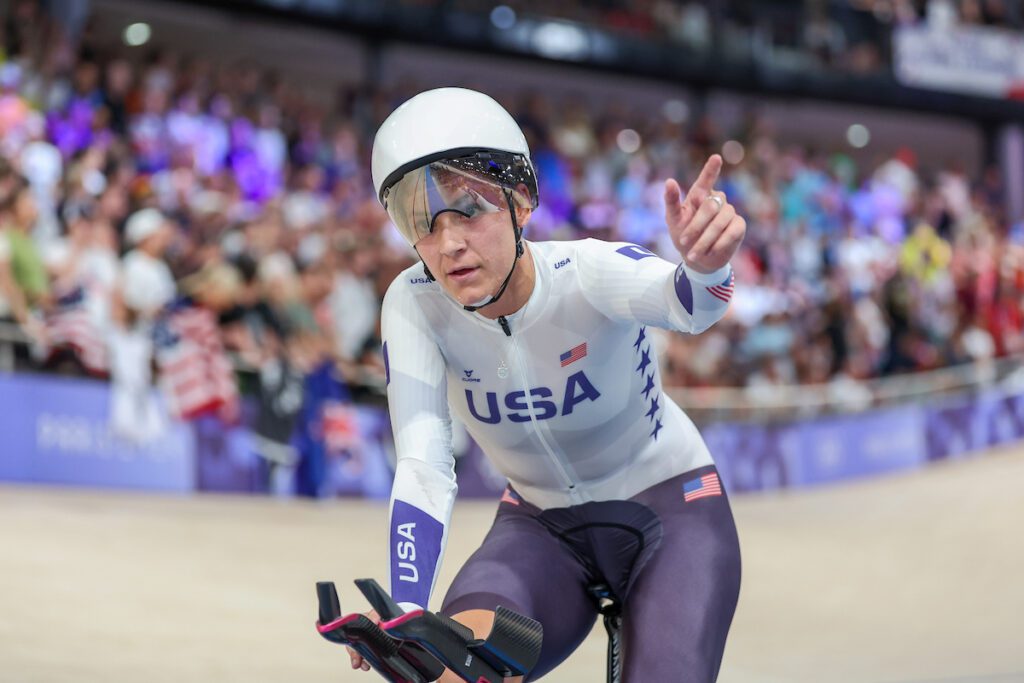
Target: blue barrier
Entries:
(56, 431)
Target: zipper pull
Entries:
(504, 325)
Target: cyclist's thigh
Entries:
(520, 565)
(678, 613)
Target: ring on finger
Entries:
(718, 200)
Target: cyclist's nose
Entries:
(451, 233)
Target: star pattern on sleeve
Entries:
(642, 347)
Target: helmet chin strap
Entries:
(508, 278)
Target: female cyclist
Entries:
(542, 350)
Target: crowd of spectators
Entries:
(673, 19)
(131, 187)
(846, 35)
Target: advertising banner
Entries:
(57, 431)
(971, 60)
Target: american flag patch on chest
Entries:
(573, 354)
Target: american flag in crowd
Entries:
(724, 290)
(703, 487)
(340, 426)
(71, 326)
(573, 354)
(195, 372)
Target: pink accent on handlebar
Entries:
(337, 623)
(398, 621)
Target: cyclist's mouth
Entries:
(461, 274)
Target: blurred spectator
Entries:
(280, 396)
(84, 269)
(24, 286)
(146, 287)
(355, 305)
(146, 281)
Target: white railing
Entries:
(707, 404)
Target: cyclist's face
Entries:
(471, 255)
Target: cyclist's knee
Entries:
(479, 622)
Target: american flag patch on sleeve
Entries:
(702, 487)
(724, 290)
(509, 497)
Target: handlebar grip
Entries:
(330, 606)
(379, 599)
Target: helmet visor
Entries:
(415, 202)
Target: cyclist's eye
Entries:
(453, 216)
(481, 205)
(472, 204)
(465, 205)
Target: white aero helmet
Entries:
(450, 149)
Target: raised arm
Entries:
(631, 284)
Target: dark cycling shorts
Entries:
(670, 554)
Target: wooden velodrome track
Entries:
(914, 577)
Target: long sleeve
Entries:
(629, 283)
(424, 489)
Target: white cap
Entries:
(437, 122)
(146, 283)
(143, 224)
(276, 266)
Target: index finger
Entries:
(706, 180)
